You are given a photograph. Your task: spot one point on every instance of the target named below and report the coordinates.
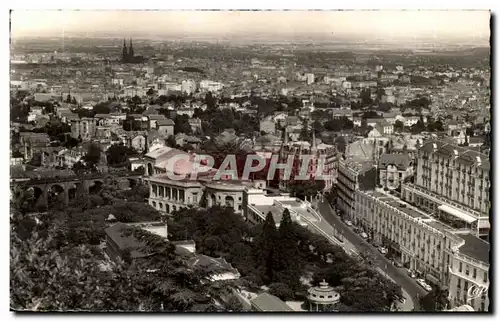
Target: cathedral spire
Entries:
(124, 52)
(131, 50)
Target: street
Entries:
(398, 275)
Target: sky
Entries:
(384, 24)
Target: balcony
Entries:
(440, 199)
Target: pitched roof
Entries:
(211, 264)
(463, 155)
(401, 161)
(266, 302)
(165, 122)
(115, 233)
(156, 117)
(102, 116)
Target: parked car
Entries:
(412, 274)
(382, 250)
(348, 223)
(422, 283)
(364, 235)
(398, 264)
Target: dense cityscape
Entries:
(398, 220)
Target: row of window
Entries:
(474, 272)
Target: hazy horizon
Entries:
(391, 26)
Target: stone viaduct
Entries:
(69, 186)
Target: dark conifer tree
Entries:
(265, 248)
(286, 267)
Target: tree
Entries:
(93, 155)
(365, 96)
(68, 99)
(282, 291)
(265, 248)
(305, 189)
(436, 300)
(136, 100)
(418, 127)
(182, 124)
(286, 267)
(150, 92)
(318, 128)
(385, 107)
(340, 143)
(434, 126)
(130, 124)
(399, 126)
(380, 93)
(340, 124)
(171, 142)
(304, 133)
(69, 275)
(73, 101)
(118, 154)
(102, 108)
(210, 101)
(370, 114)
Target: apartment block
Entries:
(453, 184)
(413, 237)
(352, 176)
(446, 257)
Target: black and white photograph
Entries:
(246, 161)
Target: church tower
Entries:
(131, 50)
(314, 146)
(125, 52)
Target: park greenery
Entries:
(58, 263)
(287, 259)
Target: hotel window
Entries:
(485, 277)
(467, 269)
(460, 267)
(482, 306)
(474, 273)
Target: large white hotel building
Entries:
(440, 225)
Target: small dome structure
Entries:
(462, 308)
(322, 296)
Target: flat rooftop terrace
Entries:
(407, 210)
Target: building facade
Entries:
(84, 128)
(393, 169)
(469, 271)
(452, 183)
(352, 176)
(446, 257)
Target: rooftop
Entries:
(266, 302)
(115, 233)
(475, 248)
(401, 161)
(216, 265)
(407, 210)
(468, 156)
